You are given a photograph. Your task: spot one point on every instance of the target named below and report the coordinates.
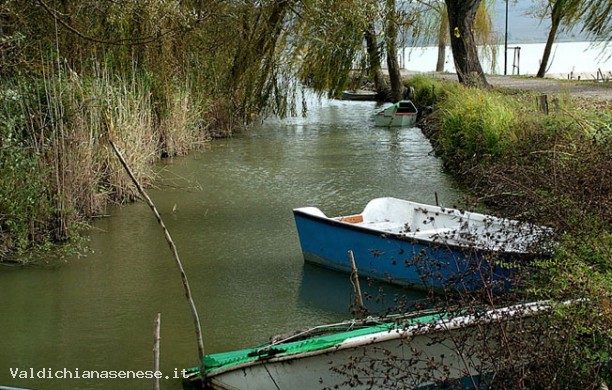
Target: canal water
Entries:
(228, 208)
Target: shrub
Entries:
(475, 124)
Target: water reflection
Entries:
(324, 289)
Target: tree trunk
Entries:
(555, 21)
(375, 71)
(442, 40)
(397, 88)
(461, 15)
(441, 57)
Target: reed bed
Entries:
(56, 166)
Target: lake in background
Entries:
(567, 58)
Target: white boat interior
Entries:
(443, 225)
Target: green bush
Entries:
(554, 169)
(475, 124)
(429, 91)
(24, 204)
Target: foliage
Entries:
(429, 91)
(24, 205)
(475, 125)
(55, 164)
(155, 75)
(328, 46)
(554, 169)
(581, 267)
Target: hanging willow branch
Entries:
(177, 260)
(120, 42)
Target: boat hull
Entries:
(420, 351)
(401, 114)
(359, 95)
(399, 259)
(395, 120)
(331, 369)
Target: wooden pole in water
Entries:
(156, 337)
(355, 281)
(177, 260)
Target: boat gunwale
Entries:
(410, 239)
(523, 310)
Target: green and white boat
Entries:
(421, 350)
(403, 113)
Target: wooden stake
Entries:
(177, 260)
(543, 103)
(156, 337)
(355, 281)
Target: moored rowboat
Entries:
(360, 95)
(418, 245)
(416, 351)
(402, 113)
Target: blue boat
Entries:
(419, 245)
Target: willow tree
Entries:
(563, 14)
(391, 32)
(254, 63)
(333, 37)
(443, 38)
(461, 15)
(596, 19)
(433, 26)
(327, 42)
(374, 67)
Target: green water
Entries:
(228, 208)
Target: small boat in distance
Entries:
(419, 245)
(403, 113)
(359, 94)
(418, 350)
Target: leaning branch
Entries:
(177, 260)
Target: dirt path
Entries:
(585, 89)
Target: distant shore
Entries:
(569, 60)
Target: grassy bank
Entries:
(552, 168)
(56, 167)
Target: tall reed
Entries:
(57, 169)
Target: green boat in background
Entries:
(401, 114)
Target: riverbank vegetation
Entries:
(153, 76)
(553, 168)
(159, 78)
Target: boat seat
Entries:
(385, 226)
(351, 219)
(406, 108)
(432, 233)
